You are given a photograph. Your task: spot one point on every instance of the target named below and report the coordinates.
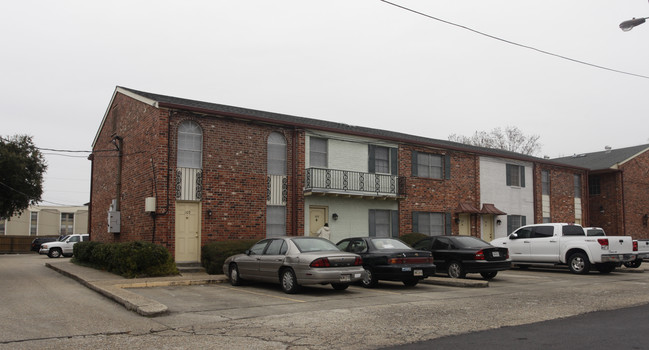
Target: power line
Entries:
(514, 43)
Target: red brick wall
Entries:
(636, 196)
(137, 124)
(234, 175)
(439, 195)
(562, 194)
(605, 208)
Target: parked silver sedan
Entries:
(293, 262)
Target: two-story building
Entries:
(44, 220)
(183, 173)
(618, 189)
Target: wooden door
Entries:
(317, 219)
(187, 232)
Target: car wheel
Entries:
(369, 280)
(578, 263)
(633, 264)
(488, 275)
(235, 279)
(289, 282)
(54, 253)
(340, 286)
(411, 282)
(455, 270)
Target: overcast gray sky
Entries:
(361, 62)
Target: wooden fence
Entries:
(16, 244)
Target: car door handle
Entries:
(553, 241)
(526, 241)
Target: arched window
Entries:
(276, 154)
(190, 145)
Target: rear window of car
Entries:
(569, 230)
(388, 243)
(470, 242)
(595, 232)
(311, 244)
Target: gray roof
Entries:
(283, 119)
(609, 159)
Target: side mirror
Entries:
(513, 236)
(247, 252)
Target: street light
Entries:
(628, 25)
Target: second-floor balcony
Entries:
(352, 183)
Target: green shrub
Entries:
(214, 254)
(129, 259)
(412, 238)
(83, 250)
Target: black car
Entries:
(36, 243)
(459, 255)
(389, 259)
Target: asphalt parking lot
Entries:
(394, 314)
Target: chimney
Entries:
(608, 149)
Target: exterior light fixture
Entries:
(628, 25)
(334, 216)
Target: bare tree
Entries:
(511, 139)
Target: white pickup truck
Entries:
(63, 247)
(641, 248)
(566, 244)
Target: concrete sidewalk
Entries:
(116, 287)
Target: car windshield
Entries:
(388, 243)
(469, 242)
(312, 244)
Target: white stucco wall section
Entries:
(344, 152)
(353, 215)
(510, 199)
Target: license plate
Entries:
(496, 254)
(345, 278)
(418, 273)
(405, 269)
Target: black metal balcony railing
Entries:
(352, 182)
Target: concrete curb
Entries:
(456, 282)
(131, 301)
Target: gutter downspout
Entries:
(294, 197)
(91, 158)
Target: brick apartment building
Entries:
(183, 173)
(618, 186)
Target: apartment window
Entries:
(382, 160)
(431, 224)
(275, 220)
(428, 165)
(514, 222)
(190, 145)
(318, 152)
(545, 182)
(33, 223)
(67, 224)
(594, 186)
(515, 175)
(384, 223)
(276, 154)
(577, 183)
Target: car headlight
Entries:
(44, 246)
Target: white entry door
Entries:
(187, 232)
